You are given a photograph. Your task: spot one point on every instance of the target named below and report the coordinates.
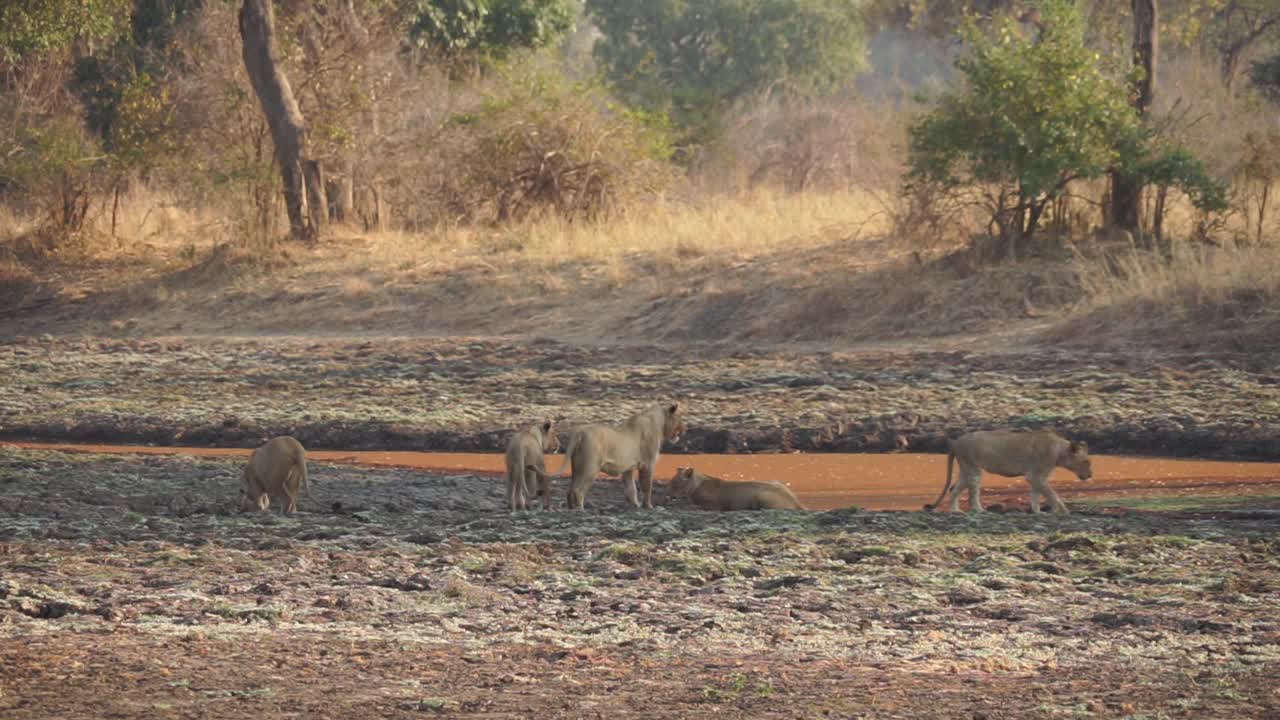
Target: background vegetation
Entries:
(900, 148)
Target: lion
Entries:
(712, 493)
(524, 451)
(1010, 453)
(276, 469)
(624, 449)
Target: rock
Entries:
(785, 581)
(967, 594)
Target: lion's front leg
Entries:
(1040, 485)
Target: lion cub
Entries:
(712, 493)
(276, 469)
(1010, 453)
(524, 465)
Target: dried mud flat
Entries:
(129, 588)
(461, 394)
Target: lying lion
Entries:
(524, 465)
(712, 493)
(1013, 454)
(276, 469)
(625, 449)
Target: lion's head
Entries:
(672, 422)
(550, 441)
(683, 483)
(1076, 460)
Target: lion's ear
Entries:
(546, 426)
(675, 408)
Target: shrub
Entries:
(1036, 115)
(55, 166)
(539, 144)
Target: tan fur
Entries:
(712, 493)
(624, 450)
(524, 455)
(1013, 454)
(277, 469)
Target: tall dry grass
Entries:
(725, 226)
(1199, 296)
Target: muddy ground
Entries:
(459, 394)
(129, 587)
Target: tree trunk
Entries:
(1157, 215)
(1231, 66)
(376, 217)
(1262, 206)
(1033, 222)
(317, 203)
(1126, 191)
(288, 130)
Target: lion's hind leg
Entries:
(583, 476)
(515, 489)
(629, 487)
(970, 481)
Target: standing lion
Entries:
(1009, 453)
(624, 449)
(524, 465)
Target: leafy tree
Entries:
(693, 58)
(486, 27)
(1265, 75)
(1036, 115)
(940, 18)
(29, 29)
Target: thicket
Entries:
(429, 112)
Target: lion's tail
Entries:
(951, 459)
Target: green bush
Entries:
(1035, 115)
(54, 167)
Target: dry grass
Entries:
(16, 283)
(735, 226)
(1202, 296)
(762, 267)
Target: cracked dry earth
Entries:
(130, 588)
(460, 394)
